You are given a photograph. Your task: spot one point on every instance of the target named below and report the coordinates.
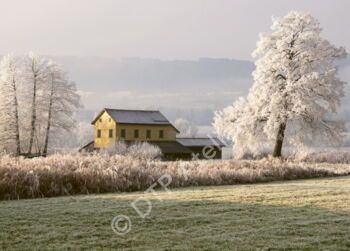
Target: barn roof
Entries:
(88, 147)
(188, 142)
(141, 117)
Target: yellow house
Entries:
(112, 125)
(129, 126)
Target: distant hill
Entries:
(137, 74)
(192, 89)
(180, 88)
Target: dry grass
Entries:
(295, 215)
(78, 174)
(328, 156)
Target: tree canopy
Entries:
(295, 90)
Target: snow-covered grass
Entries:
(297, 215)
(332, 155)
(101, 173)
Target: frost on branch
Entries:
(37, 103)
(295, 91)
(186, 128)
(137, 150)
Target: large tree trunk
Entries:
(15, 101)
(277, 151)
(48, 126)
(33, 121)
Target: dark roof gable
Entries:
(141, 117)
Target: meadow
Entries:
(68, 202)
(294, 215)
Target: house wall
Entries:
(104, 123)
(169, 132)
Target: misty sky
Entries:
(178, 29)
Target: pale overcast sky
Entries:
(177, 29)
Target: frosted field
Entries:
(295, 215)
(331, 153)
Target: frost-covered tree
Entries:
(37, 99)
(295, 90)
(61, 99)
(9, 124)
(186, 128)
(35, 77)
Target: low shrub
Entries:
(102, 173)
(138, 150)
(143, 150)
